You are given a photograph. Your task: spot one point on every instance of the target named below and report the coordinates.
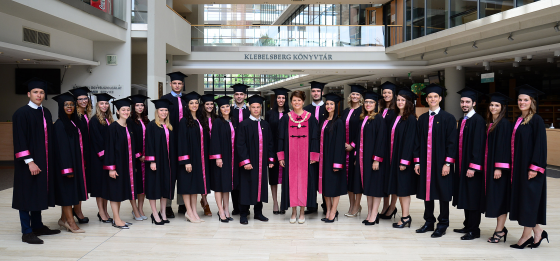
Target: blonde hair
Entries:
(104, 115)
(167, 123)
(532, 111)
(349, 100)
(371, 114)
(87, 110)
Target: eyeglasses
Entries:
(83, 99)
(69, 105)
(369, 102)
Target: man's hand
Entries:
(532, 174)
(312, 162)
(153, 166)
(402, 168)
(445, 170)
(282, 163)
(188, 168)
(142, 158)
(219, 163)
(270, 166)
(375, 165)
(470, 173)
(34, 168)
(417, 169)
(113, 174)
(248, 167)
(497, 173)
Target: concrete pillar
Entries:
(345, 94)
(195, 82)
(308, 97)
(156, 52)
(454, 82)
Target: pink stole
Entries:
(317, 109)
(202, 158)
(385, 112)
(87, 120)
(298, 160)
(429, 158)
(393, 137)
(82, 155)
(463, 122)
(240, 114)
(260, 160)
(232, 151)
(180, 108)
(210, 126)
(130, 164)
(519, 120)
(280, 168)
(46, 145)
(143, 165)
(348, 140)
(486, 157)
(361, 155)
(168, 160)
(321, 162)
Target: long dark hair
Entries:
(331, 122)
(71, 130)
(408, 108)
(286, 105)
(199, 115)
(220, 116)
(490, 118)
(203, 112)
(382, 104)
(143, 115)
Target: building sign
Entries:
(113, 90)
(289, 57)
(487, 77)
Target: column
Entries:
(345, 94)
(156, 52)
(454, 82)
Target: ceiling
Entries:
(17, 54)
(183, 2)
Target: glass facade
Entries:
(218, 81)
(245, 14)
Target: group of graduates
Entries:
(200, 144)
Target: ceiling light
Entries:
(485, 64)
(445, 51)
(556, 53)
(474, 45)
(529, 57)
(550, 60)
(518, 59)
(509, 37)
(27, 60)
(459, 67)
(515, 65)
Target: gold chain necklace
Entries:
(299, 122)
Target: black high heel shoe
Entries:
(81, 220)
(335, 217)
(225, 220)
(331, 220)
(543, 236)
(496, 236)
(155, 222)
(404, 223)
(376, 221)
(121, 227)
(394, 214)
(163, 220)
(110, 220)
(528, 242)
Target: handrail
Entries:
(311, 25)
(178, 14)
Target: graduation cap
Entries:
(332, 97)
(80, 91)
(162, 103)
(317, 85)
(37, 83)
(388, 85)
(255, 99)
(434, 88)
(103, 97)
(499, 98)
(408, 93)
(138, 98)
(371, 96)
(529, 90)
(281, 91)
(357, 88)
(470, 93)
(239, 87)
(62, 98)
(177, 76)
(122, 102)
(207, 98)
(190, 96)
(222, 100)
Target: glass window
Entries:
(462, 12)
(418, 22)
(490, 7)
(408, 16)
(436, 16)
(525, 2)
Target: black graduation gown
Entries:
(273, 119)
(354, 124)
(402, 183)
(528, 197)
(312, 171)
(98, 176)
(247, 146)
(235, 114)
(374, 140)
(69, 191)
(444, 149)
(322, 111)
(498, 157)
(174, 121)
(223, 179)
(468, 193)
(191, 152)
(120, 156)
(160, 183)
(333, 156)
(86, 143)
(139, 144)
(33, 193)
(389, 119)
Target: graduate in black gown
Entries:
(332, 181)
(177, 111)
(160, 172)
(298, 151)
(239, 113)
(224, 174)
(468, 191)
(434, 153)
(83, 109)
(369, 172)
(497, 160)
(317, 109)
(98, 125)
(528, 167)
(254, 145)
(352, 123)
(193, 176)
(402, 133)
(386, 109)
(137, 123)
(120, 153)
(208, 109)
(33, 168)
(279, 109)
(70, 178)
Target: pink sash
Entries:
(361, 155)
(130, 164)
(260, 160)
(202, 158)
(143, 165)
(519, 120)
(46, 145)
(393, 137)
(429, 158)
(232, 151)
(463, 122)
(348, 140)
(168, 160)
(82, 155)
(321, 162)
(280, 168)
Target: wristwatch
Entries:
(448, 164)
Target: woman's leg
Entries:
(357, 203)
(393, 204)
(187, 200)
(101, 209)
(225, 199)
(219, 202)
(193, 206)
(352, 199)
(105, 204)
(69, 216)
(274, 189)
(369, 207)
(334, 206)
(135, 209)
(375, 209)
(328, 202)
(141, 198)
(294, 212)
(78, 210)
(537, 231)
(115, 207)
(386, 204)
(153, 206)
(163, 204)
(301, 213)
(405, 206)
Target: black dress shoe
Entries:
(110, 220)
(425, 228)
(276, 212)
(529, 243)
(163, 220)
(229, 218)
(182, 209)
(81, 220)
(243, 221)
(438, 233)
(470, 236)
(169, 212)
(543, 236)
(45, 231)
(282, 212)
(460, 230)
(261, 218)
(31, 238)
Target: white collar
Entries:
(33, 105)
(237, 107)
(470, 114)
(436, 111)
(253, 118)
(317, 104)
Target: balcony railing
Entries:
(116, 8)
(289, 35)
